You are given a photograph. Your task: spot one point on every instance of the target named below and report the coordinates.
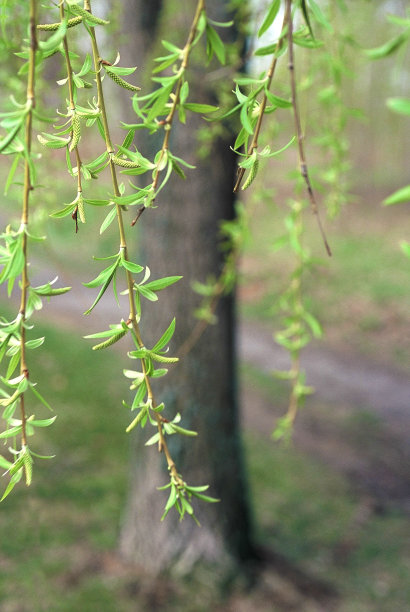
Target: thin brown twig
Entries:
(298, 128)
(270, 74)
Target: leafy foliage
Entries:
(305, 24)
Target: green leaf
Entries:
(40, 397)
(13, 481)
(108, 220)
(42, 422)
(214, 44)
(170, 47)
(388, 48)
(398, 197)
(52, 142)
(131, 267)
(405, 247)
(319, 15)
(4, 463)
(200, 108)
(32, 344)
(399, 105)
(162, 283)
(305, 41)
(10, 433)
(205, 498)
(120, 70)
(103, 275)
(306, 17)
(159, 108)
(147, 293)
(13, 363)
(153, 440)
(63, 212)
(277, 101)
(165, 338)
(270, 17)
(245, 119)
(266, 50)
(171, 499)
(97, 202)
(108, 276)
(183, 431)
(8, 139)
(11, 174)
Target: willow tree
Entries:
(179, 223)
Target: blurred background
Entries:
(329, 510)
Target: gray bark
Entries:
(181, 236)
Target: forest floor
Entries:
(333, 505)
(365, 431)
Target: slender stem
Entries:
(123, 246)
(298, 128)
(262, 106)
(28, 187)
(67, 62)
(70, 82)
(176, 98)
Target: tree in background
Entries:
(203, 385)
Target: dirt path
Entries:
(358, 420)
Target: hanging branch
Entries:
(262, 107)
(132, 319)
(75, 125)
(298, 128)
(300, 325)
(176, 96)
(180, 493)
(14, 259)
(25, 283)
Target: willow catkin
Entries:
(50, 27)
(117, 79)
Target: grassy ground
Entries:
(361, 295)
(58, 538)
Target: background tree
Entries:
(203, 387)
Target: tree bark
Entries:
(181, 236)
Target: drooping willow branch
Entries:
(25, 283)
(132, 319)
(167, 122)
(300, 325)
(298, 128)
(262, 107)
(68, 136)
(75, 125)
(14, 259)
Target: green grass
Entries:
(56, 536)
(304, 510)
(361, 295)
(73, 506)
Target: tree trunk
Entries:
(181, 237)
